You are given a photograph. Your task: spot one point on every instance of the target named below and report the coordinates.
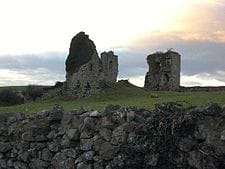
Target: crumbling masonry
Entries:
(86, 73)
(164, 71)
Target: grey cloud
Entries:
(54, 61)
(45, 68)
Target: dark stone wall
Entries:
(168, 137)
(164, 71)
(80, 52)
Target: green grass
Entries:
(15, 88)
(124, 95)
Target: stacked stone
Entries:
(168, 137)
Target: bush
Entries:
(10, 97)
(33, 92)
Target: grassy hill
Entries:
(123, 94)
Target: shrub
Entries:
(10, 97)
(33, 92)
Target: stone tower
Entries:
(164, 71)
(86, 73)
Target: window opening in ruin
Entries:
(110, 65)
(78, 84)
(157, 67)
(91, 67)
(166, 79)
(88, 86)
(168, 61)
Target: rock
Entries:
(152, 159)
(83, 165)
(20, 165)
(98, 166)
(3, 163)
(5, 147)
(41, 114)
(118, 117)
(106, 134)
(67, 117)
(59, 160)
(194, 159)
(65, 141)
(73, 134)
(88, 124)
(24, 156)
(57, 113)
(211, 109)
(36, 163)
(118, 136)
(107, 151)
(87, 134)
(27, 136)
(130, 116)
(86, 144)
(222, 136)
(89, 155)
(69, 164)
(70, 152)
(53, 146)
(187, 144)
(95, 114)
(46, 155)
(97, 142)
(41, 138)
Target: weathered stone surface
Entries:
(27, 136)
(119, 136)
(170, 136)
(70, 152)
(87, 74)
(89, 155)
(20, 165)
(83, 165)
(54, 146)
(59, 160)
(187, 144)
(86, 144)
(57, 113)
(4, 147)
(46, 155)
(106, 134)
(36, 163)
(107, 151)
(164, 71)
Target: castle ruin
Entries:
(164, 71)
(86, 73)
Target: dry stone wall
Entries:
(169, 137)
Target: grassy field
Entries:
(125, 95)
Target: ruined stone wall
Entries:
(169, 137)
(87, 80)
(164, 71)
(88, 75)
(110, 67)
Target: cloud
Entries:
(45, 68)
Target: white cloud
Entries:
(40, 76)
(204, 79)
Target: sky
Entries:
(35, 36)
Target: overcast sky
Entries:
(35, 37)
